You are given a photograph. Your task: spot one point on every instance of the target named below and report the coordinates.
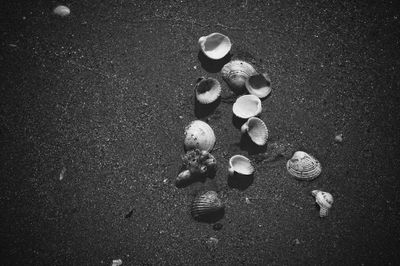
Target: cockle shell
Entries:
(256, 129)
(247, 106)
(215, 45)
(61, 11)
(241, 165)
(324, 200)
(207, 90)
(199, 135)
(259, 85)
(236, 72)
(206, 204)
(303, 166)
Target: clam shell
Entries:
(256, 129)
(247, 106)
(236, 72)
(207, 90)
(206, 204)
(241, 165)
(215, 46)
(199, 135)
(259, 85)
(303, 166)
(61, 11)
(324, 200)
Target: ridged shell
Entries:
(259, 85)
(256, 129)
(303, 166)
(247, 106)
(206, 204)
(241, 165)
(207, 90)
(324, 200)
(61, 11)
(236, 72)
(215, 45)
(199, 135)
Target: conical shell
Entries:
(207, 90)
(241, 165)
(303, 166)
(256, 129)
(324, 200)
(247, 106)
(206, 204)
(259, 85)
(236, 72)
(215, 46)
(199, 135)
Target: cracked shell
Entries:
(236, 72)
(199, 135)
(324, 200)
(256, 129)
(215, 46)
(206, 204)
(241, 165)
(207, 90)
(303, 166)
(259, 85)
(247, 106)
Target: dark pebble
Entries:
(217, 226)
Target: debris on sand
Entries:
(116, 262)
(339, 138)
(62, 174)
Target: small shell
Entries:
(257, 130)
(236, 72)
(259, 85)
(215, 45)
(207, 90)
(199, 135)
(241, 165)
(303, 166)
(247, 106)
(206, 204)
(324, 200)
(61, 11)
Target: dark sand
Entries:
(106, 92)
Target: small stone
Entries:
(195, 67)
(181, 117)
(217, 226)
(296, 241)
(212, 241)
(339, 138)
(247, 200)
(117, 262)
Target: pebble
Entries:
(217, 226)
(117, 262)
(339, 138)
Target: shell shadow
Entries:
(248, 145)
(204, 110)
(240, 182)
(211, 217)
(210, 65)
(237, 121)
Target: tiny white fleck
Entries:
(62, 173)
(195, 67)
(247, 200)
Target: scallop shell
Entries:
(61, 11)
(324, 200)
(207, 90)
(199, 135)
(303, 166)
(247, 106)
(256, 129)
(241, 165)
(215, 45)
(206, 204)
(259, 85)
(236, 72)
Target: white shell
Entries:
(199, 135)
(324, 200)
(247, 106)
(259, 85)
(256, 129)
(215, 45)
(241, 165)
(207, 90)
(236, 72)
(303, 166)
(61, 11)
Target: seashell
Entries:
(236, 72)
(259, 85)
(241, 165)
(256, 129)
(324, 200)
(247, 106)
(215, 46)
(183, 177)
(199, 135)
(303, 166)
(206, 204)
(61, 11)
(207, 90)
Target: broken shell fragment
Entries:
(61, 11)
(303, 166)
(199, 135)
(256, 129)
(259, 85)
(324, 200)
(207, 90)
(206, 204)
(236, 72)
(241, 165)
(247, 106)
(183, 177)
(215, 46)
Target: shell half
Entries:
(215, 46)
(247, 106)
(61, 11)
(199, 135)
(241, 165)
(303, 166)
(236, 72)
(256, 129)
(259, 85)
(324, 200)
(207, 90)
(206, 204)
